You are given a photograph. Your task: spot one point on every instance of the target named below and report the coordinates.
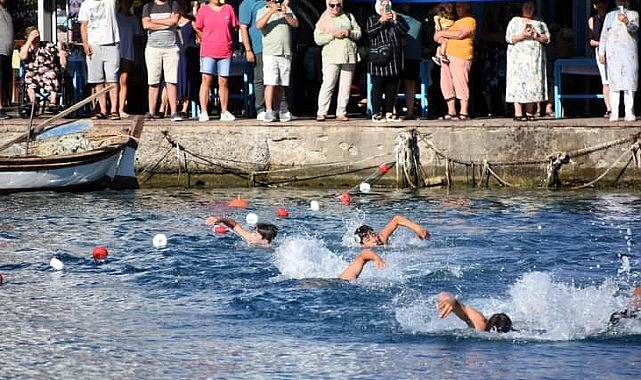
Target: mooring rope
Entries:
(634, 148)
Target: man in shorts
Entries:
(100, 39)
(275, 21)
(6, 52)
(159, 18)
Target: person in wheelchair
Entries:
(43, 66)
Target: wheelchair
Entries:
(43, 97)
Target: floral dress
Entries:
(42, 68)
(526, 64)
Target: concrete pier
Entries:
(491, 152)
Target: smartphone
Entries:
(388, 8)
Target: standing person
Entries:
(188, 61)
(412, 50)
(215, 22)
(6, 52)
(526, 82)
(100, 39)
(460, 52)
(595, 26)
(275, 22)
(385, 28)
(159, 18)
(336, 32)
(129, 29)
(618, 51)
(253, 43)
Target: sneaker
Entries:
(378, 119)
(287, 116)
(203, 116)
(149, 116)
(270, 116)
(630, 117)
(261, 116)
(176, 117)
(436, 60)
(227, 116)
(3, 115)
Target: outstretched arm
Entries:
(355, 268)
(446, 304)
(234, 226)
(397, 221)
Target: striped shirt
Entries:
(387, 33)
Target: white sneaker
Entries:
(261, 116)
(614, 117)
(227, 116)
(630, 117)
(270, 116)
(287, 116)
(176, 117)
(203, 116)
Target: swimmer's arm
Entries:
(233, 225)
(355, 268)
(446, 304)
(397, 221)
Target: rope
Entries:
(634, 148)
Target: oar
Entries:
(42, 126)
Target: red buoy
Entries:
(100, 253)
(220, 229)
(383, 168)
(345, 199)
(1, 279)
(282, 212)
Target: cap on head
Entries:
(499, 322)
(364, 231)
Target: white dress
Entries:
(619, 45)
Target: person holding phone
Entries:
(618, 51)
(526, 82)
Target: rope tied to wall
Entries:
(555, 162)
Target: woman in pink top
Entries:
(215, 23)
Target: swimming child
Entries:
(367, 237)
(264, 233)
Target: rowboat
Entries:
(79, 156)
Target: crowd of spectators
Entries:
(189, 44)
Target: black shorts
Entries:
(5, 71)
(412, 70)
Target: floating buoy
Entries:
(56, 264)
(238, 202)
(282, 212)
(383, 168)
(100, 253)
(220, 229)
(1, 279)
(159, 241)
(251, 218)
(364, 187)
(345, 199)
(314, 206)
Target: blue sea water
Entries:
(210, 306)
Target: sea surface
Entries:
(209, 306)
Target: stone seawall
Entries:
(491, 152)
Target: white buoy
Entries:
(160, 240)
(251, 218)
(364, 187)
(314, 205)
(56, 264)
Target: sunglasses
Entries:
(335, 5)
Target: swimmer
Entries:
(355, 268)
(632, 312)
(263, 234)
(369, 238)
(446, 304)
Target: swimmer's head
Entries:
(267, 231)
(499, 322)
(367, 236)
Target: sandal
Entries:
(530, 117)
(607, 114)
(450, 117)
(99, 116)
(463, 117)
(114, 116)
(320, 117)
(342, 118)
(520, 118)
(392, 117)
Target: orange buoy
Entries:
(282, 212)
(345, 199)
(220, 229)
(383, 168)
(238, 202)
(100, 253)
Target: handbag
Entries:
(379, 55)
